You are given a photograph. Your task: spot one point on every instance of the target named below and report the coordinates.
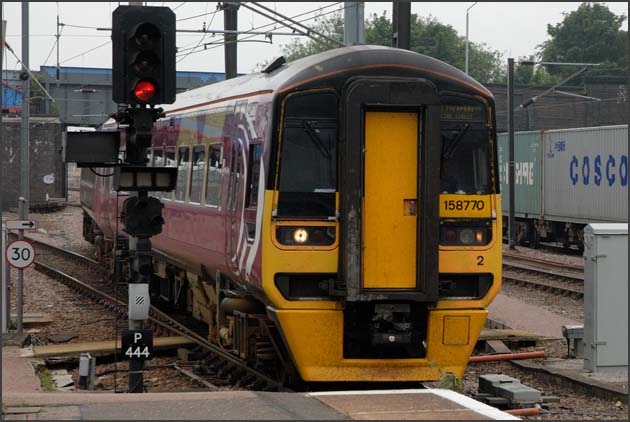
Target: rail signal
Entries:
(20, 254)
(143, 62)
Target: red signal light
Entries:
(144, 91)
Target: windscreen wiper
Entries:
(307, 125)
(452, 146)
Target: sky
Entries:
(515, 29)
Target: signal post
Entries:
(143, 76)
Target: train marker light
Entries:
(144, 91)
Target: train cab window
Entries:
(213, 183)
(255, 154)
(198, 167)
(183, 163)
(466, 146)
(308, 156)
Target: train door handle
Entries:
(410, 207)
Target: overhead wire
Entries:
(50, 52)
(204, 35)
(198, 16)
(85, 52)
(539, 107)
(275, 23)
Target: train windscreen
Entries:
(308, 156)
(466, 146)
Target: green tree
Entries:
(331, 26)
(533, 75)
(592, 34)
(428, 36)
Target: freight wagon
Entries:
(565, 179)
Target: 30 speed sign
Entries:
(20, 254)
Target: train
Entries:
(336, 218)
(564, 180)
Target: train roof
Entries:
(330, 63)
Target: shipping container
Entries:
(527, 173)
(565, 179)
(586, 174)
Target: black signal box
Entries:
(143, 60)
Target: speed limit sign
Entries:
(20, 254)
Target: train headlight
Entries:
(306, 236)
(300, 236)
(465, 233)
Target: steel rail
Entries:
(548, 262)
(543, 267)
(156, 316)
(565, 291)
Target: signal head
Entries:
(143, 63)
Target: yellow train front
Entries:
(335, 218)
(380, 243)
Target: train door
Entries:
(389, 192)
(390, 186)
(232, 214)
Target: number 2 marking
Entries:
(480, 260)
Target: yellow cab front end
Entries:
(391, 284)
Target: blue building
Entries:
(83, 95)
(11, 98)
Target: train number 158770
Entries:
(464, 205)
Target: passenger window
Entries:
(255, 154)
(168, 160)
(198, 166)
(169, 157)
(158, 159)
(213, 183)
(183, 163)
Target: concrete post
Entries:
(510, 106)
(353, 23)
(24, 154)
(401, 24)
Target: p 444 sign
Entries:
(137, 344)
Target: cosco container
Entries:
(586, 174)
(565, 179)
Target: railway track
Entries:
(542, 274)
(221, 364)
